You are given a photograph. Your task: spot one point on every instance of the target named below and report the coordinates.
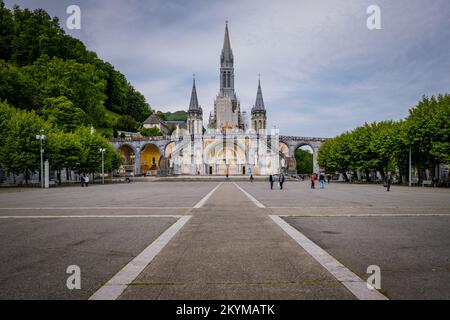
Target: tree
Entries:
(161, 115)
(6, 113)
(20, 150)
(137, 107)
(386, 145)
(80, 83)
(428, 132)
(127, 123)
(6, 31)
(304, 161)
(91, 159)
(63, 114)
(150, 132)
(335, 155)
(41, 61)
(440, 144)
(16, 86)
(64, 151)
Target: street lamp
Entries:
(133, 157)
(410, 168)
(41, 137)
(102, 150)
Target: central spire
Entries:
(227, 66)
(227, 53)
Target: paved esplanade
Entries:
(224, 240)
(231, 249)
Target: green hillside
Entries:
(176, 116)
(38, 62)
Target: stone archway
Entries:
(150, 158)
(284, 156)
(305, 154)
(128, 158)
(166, 164)
(226, 158)
(294, 143)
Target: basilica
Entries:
(232, 142)
(228, 145)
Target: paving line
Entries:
(120, 281)
(97, 208)
(256, 202)
(351, 281)
(361, 207)
(93, 216)
(202, 202)
(366, 215)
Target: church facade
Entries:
(230, 144)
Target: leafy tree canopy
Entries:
(39, 61)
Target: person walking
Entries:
(313, 179)
(388, 181)
(271, 180)
(281, 180)
(86, 180)
(251, 178)
(82, 180)
(322, 180)
(329, 178)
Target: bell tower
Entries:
(195, 113)
(259, 117)
(227, 109)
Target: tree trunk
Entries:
(367, 176)
(345, 176)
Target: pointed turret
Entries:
(259, 103)
(195, 113)
(259, 111)
(193, 105)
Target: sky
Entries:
(322, 70)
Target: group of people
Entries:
(281, 179)
(321, 180)
(84, 180)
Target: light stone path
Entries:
(231, 249)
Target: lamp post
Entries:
(137, 155)
(102, 150)
(41, 137)
(133, 157)
(410, 168)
